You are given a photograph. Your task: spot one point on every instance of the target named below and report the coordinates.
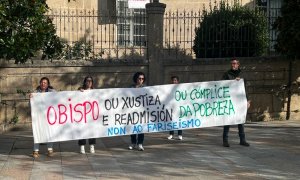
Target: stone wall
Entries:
(17, 80)
(266, 81)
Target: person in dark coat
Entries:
(234, 73)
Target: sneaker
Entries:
(50, 153)
(131, 147)
(35, 154)
(180, 137)
(82, 150)
(170, 137)
(141, 148)
(92, 149)
(244, 143)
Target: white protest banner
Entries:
(71, 115)
(137, 4)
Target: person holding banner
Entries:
(234, 73)
(175, 80)
(88, 84)
(43, 88)
(137, 139)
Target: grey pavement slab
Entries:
(274, 154)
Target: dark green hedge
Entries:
(231, 32)
(288, 26)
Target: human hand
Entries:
(237, 78)
(248, 104)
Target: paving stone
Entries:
(274, 153)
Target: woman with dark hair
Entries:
(137, 139)
(88, 84)
(42, 88)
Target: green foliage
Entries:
(231, 32)
(25, 29)
(53, 47)
(14, 120)
(288, 26)
(24, 93)
(80, 50)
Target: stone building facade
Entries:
(267, 80)
(172, 5)
(111, 26)
(267, 77)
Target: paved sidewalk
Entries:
(274, 154)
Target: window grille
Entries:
(131, 25)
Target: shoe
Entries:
(226, 144)
(140, 148)
(180, 137)
(82, 150)
(170, 137)
(50, 153)
(92, 149)
(131, 147)
(35, 154)
(244, 143)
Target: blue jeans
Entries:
(179, 132)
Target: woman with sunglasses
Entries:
(137, 140)
(88, 84)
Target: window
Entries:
(131, 25)
(107, 12)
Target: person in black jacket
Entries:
(234, 73)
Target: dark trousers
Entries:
(140, 138)
(83, 142)
(241, 132)
(179, 132)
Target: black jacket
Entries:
(232, 74)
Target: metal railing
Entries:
(111, 35)
(179, 32)
(95, 35)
